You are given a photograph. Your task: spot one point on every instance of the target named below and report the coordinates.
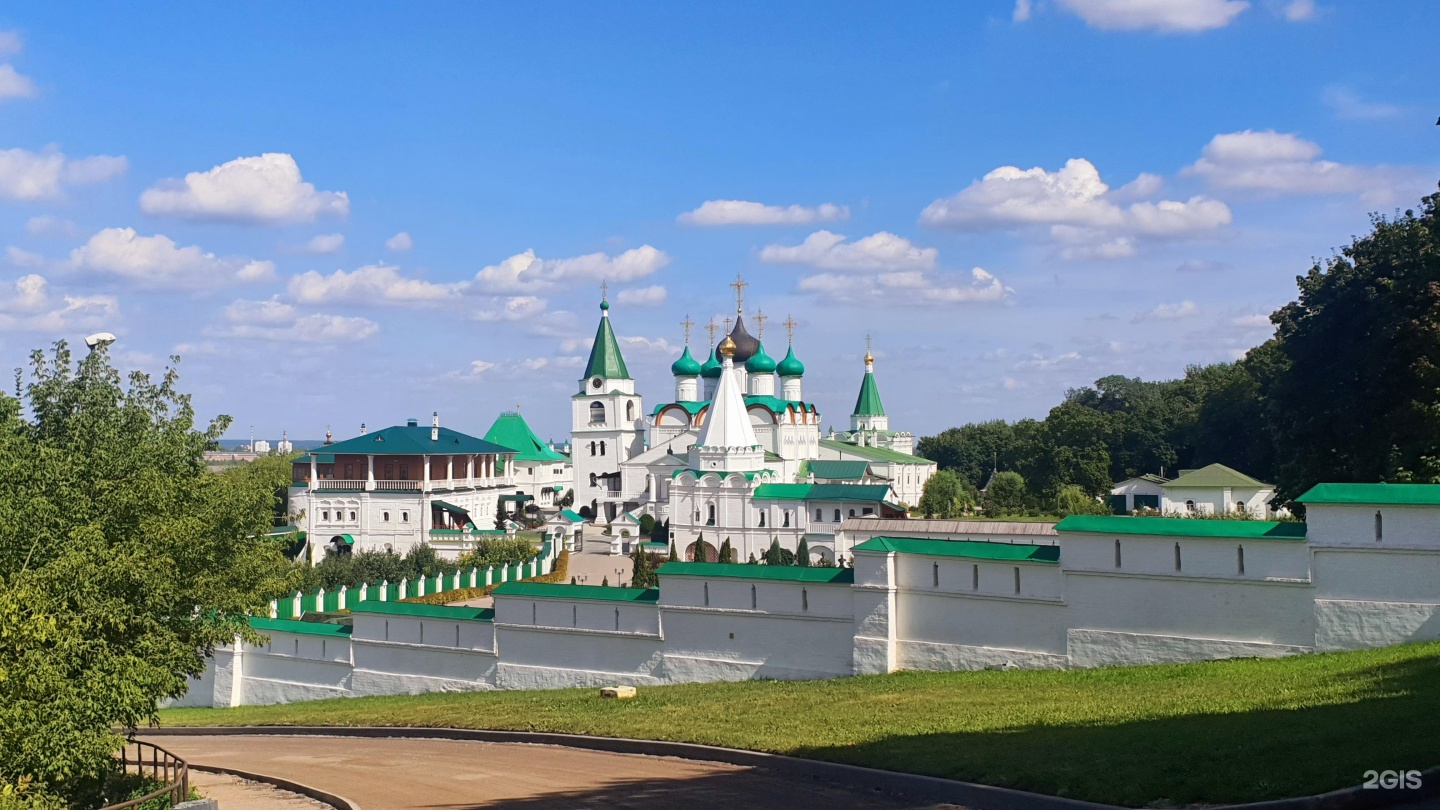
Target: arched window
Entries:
(762, 518)
(594, 482)
(629, 411)
(1379, 526)
(852, 513)
(602, 448)
(818, 514)
(1189, 506)
(787, 518)
(1239, 506)
(592, 448)
(837, 515)
(710, 512)
(597, 413)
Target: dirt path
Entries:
(381, 774)
(234, 793)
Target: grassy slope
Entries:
(1225, 731)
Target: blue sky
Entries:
(345, 213)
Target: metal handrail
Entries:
(162, 764)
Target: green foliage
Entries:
(122, 561)
(1070, 500)
(500, 516)
(647, 524)
(802, 554)
(776, 555)
(642, 566)
(945, 496)
(673, 554)
(567, 500)
(1006, 494)
(727, 552)
(495, 551)
(752, 560)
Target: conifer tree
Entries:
(773, 556)
(727, 552)
(673, 556)
(802, 554)
(572, 581)
(752, 560)
(605, 582)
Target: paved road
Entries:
(234, 793)
(381, 774)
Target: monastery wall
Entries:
(923, 607)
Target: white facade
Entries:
(607, 427)
(1100, 594)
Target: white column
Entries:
(370, 472)
(314, 474)
(425, 464)
(470, 471)
(384, 589)
(450, 472)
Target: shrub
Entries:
(562, 570)
(647, 524)
(496, 551)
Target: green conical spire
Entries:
(868, 403)
(605, 359)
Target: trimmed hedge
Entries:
(560, 574)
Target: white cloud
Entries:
(375, 284)
(15, 85)
(28, 307)
(905, 288)
(642, 296)
(324, 243)
(1080, 209)
(49, 226)
(26, 175)
(742, 212)
(10, 43)
(1252, 321)
(514, 308)
(525, 272)
(1022, 11)
(263, 190)
(1284, 163)
(400, 242)
(1348, 105)
(1040, 362)
(1168, 312)
(156, 261)
(24, 258)
(1201, 266)
(644, 345)
(830, 251)
(273, 320)
(478, 367)
(1164, 16)
(1299, 10)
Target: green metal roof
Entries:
(822, 492)
(450, 507)
(686, 366)
(760, 362)
(842, 470)
(1182, 527)
(874, 453)
(414, 440)
(791, 365)
(971, 549)
(558, 590)
(1214, 475)
(1377, 494)
(512, 431)
(712, 367)
(455, 613)
(868, 403)
(792, 573)
(296, 626)
(572, 516)
(348, 539)
(605, 359)
(774, 404)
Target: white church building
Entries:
(735, 456)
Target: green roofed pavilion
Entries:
(512, 431)
(605, 359)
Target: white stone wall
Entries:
(1339, 590)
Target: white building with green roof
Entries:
(1216, 489)
(540, 472)
(607, 426)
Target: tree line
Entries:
(1347, 390)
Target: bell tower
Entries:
(606, 427)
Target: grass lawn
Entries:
(1227, 731)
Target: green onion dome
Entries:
(604, 305)
(791, 365)
(760, 362)
(712, 368)
(686, 366)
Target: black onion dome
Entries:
(745, 344)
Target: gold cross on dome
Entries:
(867, 343)
(790, 325)
(760, 319)
(727, 324)
(739, 285)
(711, 327)
(604, 290)
(687, 323)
